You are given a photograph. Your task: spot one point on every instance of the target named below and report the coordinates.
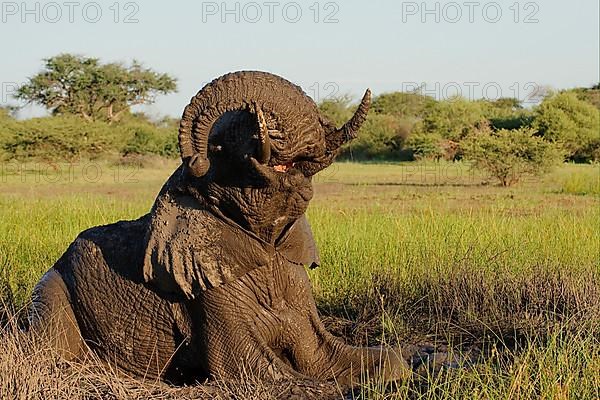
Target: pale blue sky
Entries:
(386, 45)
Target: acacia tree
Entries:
(71, 84)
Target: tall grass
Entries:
(476, 273)
(580, 181)
(566, 366)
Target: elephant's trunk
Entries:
(257, 92)
(290, 130)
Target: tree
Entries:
(573, 123)
(337, 109)
(380, 137)
(71, 84)
(505, 113)
(508, 155)
(402, 105)
(452, 119)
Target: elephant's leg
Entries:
(274, 365)
(51, 317)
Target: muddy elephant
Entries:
(212, 282)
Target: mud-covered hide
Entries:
(190, 248)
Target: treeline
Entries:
(412, 126)
(90, 103)
(401, 126)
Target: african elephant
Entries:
(212, 282)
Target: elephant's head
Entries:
(250, 143)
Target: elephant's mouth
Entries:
(284, 167)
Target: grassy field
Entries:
(425, 254)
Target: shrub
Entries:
(150, 140)
(402, 104)
(508, 155)
(590, 95)
(7, 124)
(337, 109)
(505, 113)
(68, 138)
(61, 138)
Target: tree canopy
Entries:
(402, 104)
(71, 84)
(573, 123)
(453, 119)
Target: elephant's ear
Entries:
(298, 245)
(188, 250)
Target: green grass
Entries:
(410, 253)
(581, 181)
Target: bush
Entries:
(508, 155)
(590, 151)
(337, 109)
(590, 95)
(149, 140)
(7, 123)
(61, 138)
(402, 104)
(505, 113)
(69, 138)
